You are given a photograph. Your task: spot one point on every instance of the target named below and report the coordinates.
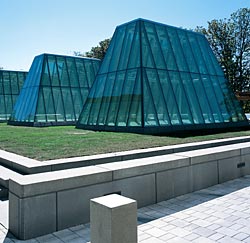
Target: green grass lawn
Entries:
(66, 141)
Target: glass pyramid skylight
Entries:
(54, 91)
(11, 83)
(155, 79)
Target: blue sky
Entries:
(32, 27)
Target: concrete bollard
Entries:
(113, 219)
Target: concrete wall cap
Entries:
(113, 201)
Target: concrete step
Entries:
(5, 175)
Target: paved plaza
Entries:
(220, 213)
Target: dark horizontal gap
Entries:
(160, 69)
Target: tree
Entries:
(230, 41)
(98, 51)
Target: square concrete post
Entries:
(113, 219)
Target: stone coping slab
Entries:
(22, 164)
(41, 183)
(26, 165)
(137, 167)
(216, 153)
(5, 175)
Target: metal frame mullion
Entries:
(216, 76)
(184, 90)
(159, 83)
(91, 102)
(129, 109)
(141, 72)
(45, 62)
(5, 110)
(85, 71)
(78, 79)
(92, 71)
(60, 87)
(126, 74)
(51, 80)
(170, 84)
(115, 75)
(67, 70)
(11, 93)
(211, 84)
(104, 89)
(198, 44)
(145, 74)
(3, 93)
(23, 103)
(168, 77)
(151, 96)
(158, 80)
(107, 73)
(189, 73)
(179, 76)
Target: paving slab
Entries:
(202, 216)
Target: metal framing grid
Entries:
(55, 90)
(158, 77)
(11, 83)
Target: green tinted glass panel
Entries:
(114, 61)
(115, 99)
(135, 53)
(126, 47)
(55, 89)
(135, 109)
(167, 50)
(106, 98)
(154, 87)
(172, 107)
(126, 97)
(10, 84)
(181, 99)
(202, 98)
(154, 46)
(212, 100)
(157, 78)
(192, 98)
(177, 50)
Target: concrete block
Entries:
(14, 214)
(211, 154)
(199, 156)
(32, 217)
(139, 188)
(113, 220)
(172, 183)
(228, 169)
(204, 175)
(7, 174)
(73, 205)
(246, 169)
(144, 166)
(37, 184)
(245, 148)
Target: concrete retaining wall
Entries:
(46, 202)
